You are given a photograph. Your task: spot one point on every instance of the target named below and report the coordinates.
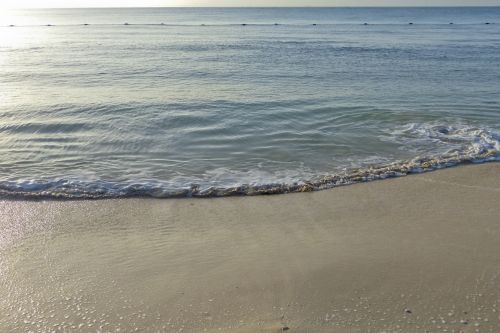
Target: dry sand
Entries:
(414, 254)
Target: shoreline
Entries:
(409, 254)
(354, 176)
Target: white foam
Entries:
(449, 145)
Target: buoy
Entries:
(411, 23)
(365, 23)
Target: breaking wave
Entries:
(461, 144)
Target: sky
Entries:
(236, 3)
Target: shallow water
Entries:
(350, 260)
(206, 106)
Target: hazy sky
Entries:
(159, 3)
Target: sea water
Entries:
(169, 102)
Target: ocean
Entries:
(201, 102)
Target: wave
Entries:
(478, 145)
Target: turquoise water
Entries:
(295, 99)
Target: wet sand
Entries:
(413, 254)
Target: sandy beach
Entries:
(412, 254)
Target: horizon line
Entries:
(243, 7)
